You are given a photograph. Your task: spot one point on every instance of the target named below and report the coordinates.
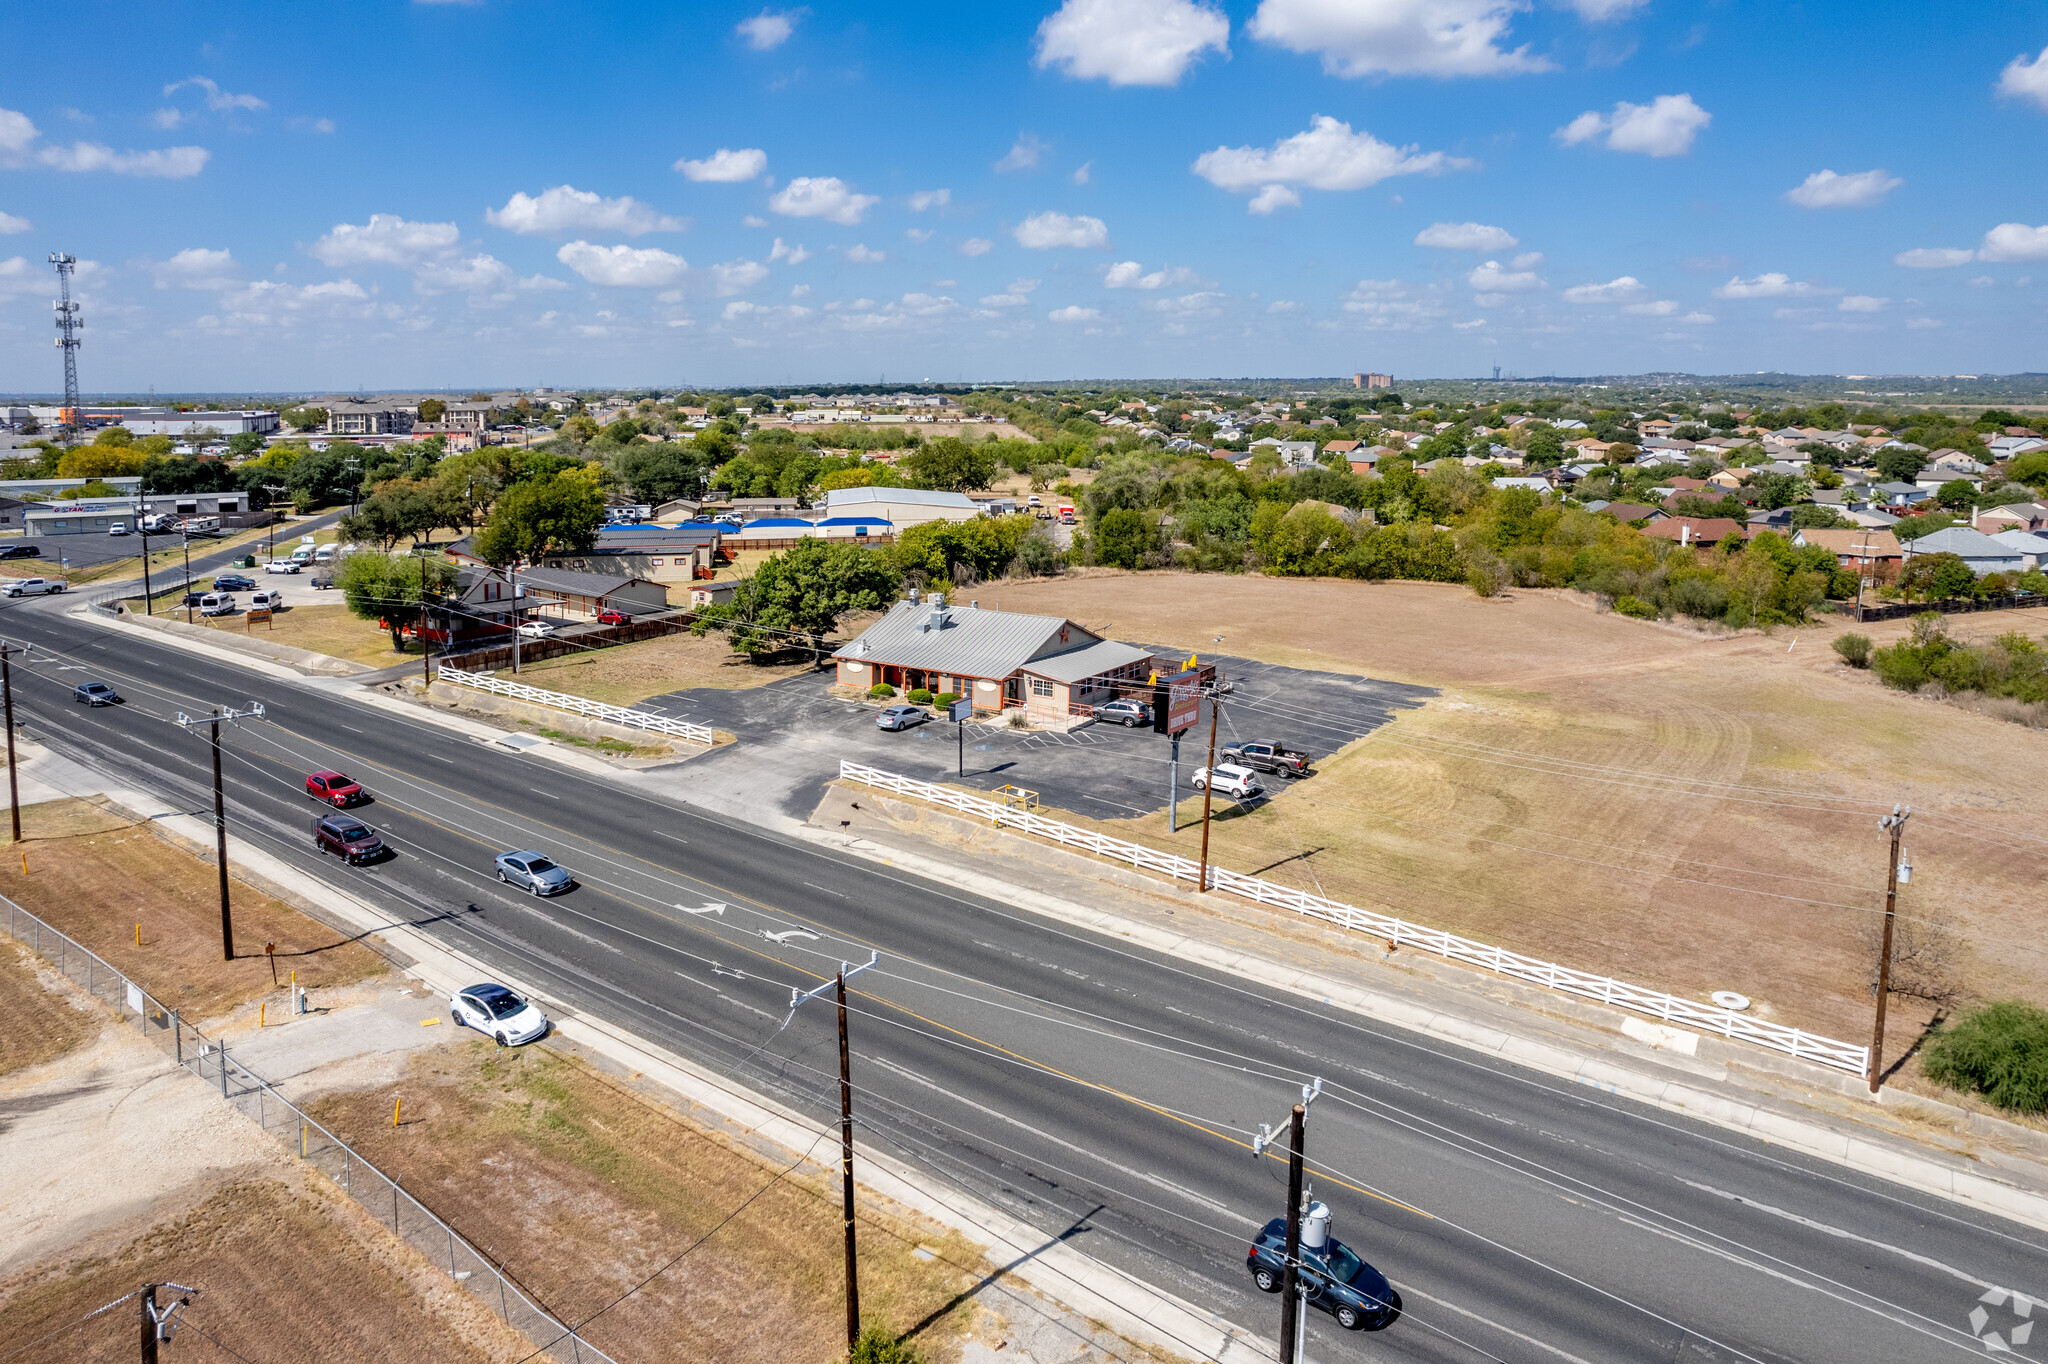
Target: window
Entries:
(1040, 687)
(657, 562)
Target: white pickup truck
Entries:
(34, 587)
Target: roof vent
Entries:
(913, 596)
(938, 599)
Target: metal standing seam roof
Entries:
(1092, 661)
(840, 498)
(972, 642)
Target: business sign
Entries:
(1183, 701)
(963, 709)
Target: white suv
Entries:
(1239, 783)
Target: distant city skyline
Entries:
(268, 198)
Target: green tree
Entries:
(101, 461)
(432, 409)
(660, 473)
(1123, 537)
(242, 445)
(1899, 466)
(1956, 494)
(1999, 1051)
(950, 464)
(984, 546)
(556, 514)
(2030, 469)
(304, 418)
(403, 507)
(803, 591)
(386, 588)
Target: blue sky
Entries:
(409, 194)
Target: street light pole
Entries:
(220, 815)
(1208, 788)
(1895, 823)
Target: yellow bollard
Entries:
(24, 861)
(395, 1106)
(262, 1012)
(138, 935)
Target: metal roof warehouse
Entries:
(1047, 665)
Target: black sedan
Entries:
(234, 582)
(95, 694)
(1338, 1281)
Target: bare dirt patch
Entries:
(95, 875)
(289, 1270)
(330, 630)
(1686, 811)
(43, 1022)
(586, 1188)
(629, 673)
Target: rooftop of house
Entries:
(966, 641)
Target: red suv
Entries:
(348, 838)
(613, 617)
(334, 788)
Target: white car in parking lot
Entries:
(1240, 783)
(497, 1013)
(537, 629)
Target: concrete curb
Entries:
(1754, 1119)
(1135, 1310)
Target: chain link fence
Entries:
(213, 1062)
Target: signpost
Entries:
(1183, 706)
(959, 713)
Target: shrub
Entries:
(945, 699)
(1018, 720)
(881, 689)
(919, 696)
(1635, 606)
(1999, 1051)
(878, 1345)
(1854, 648)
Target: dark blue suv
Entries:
(1340, 1283)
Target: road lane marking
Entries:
(816, 887)
(538, 792)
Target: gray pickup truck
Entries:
(34, 587)
(1267, 756)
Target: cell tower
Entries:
(69, 325)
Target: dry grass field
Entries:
(1685, 810)
(96, 877)
(43, 1023)
(629, 673)
(331, 630)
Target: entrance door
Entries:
(1013, 693)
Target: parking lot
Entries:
(794, 733)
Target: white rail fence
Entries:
(590, 710)
(1620, 994)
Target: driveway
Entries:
(793, 734)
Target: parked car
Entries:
(902, 717)
(1269, 756)
(537, 629)
(217, 604)
(1240, 783)
(281, 566)
(613, 617)
(336, 788)
(193, 599)
(493, 1009)
(95, 694)
(118, 528)
(533, 871)
(321, 582)
(18, 552)
(266, 601)
(347, 838)
(234, 582)
(1338, 1279)
(34, 587)
(1125, 712)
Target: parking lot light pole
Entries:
(220, 814)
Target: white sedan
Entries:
(498, 1013)
(537, 629)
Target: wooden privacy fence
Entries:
(2018, 601)
(1620, 994)
(492, 656)
(590, 710)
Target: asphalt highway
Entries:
(1105, 1094)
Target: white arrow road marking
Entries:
(787, 934)
(712, 908)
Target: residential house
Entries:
(1871, 519)
(1853, 548)
(2016, 516)
(713, 593)
(1982, 553)
(456, 440)
(1895, 494)
(1341, 447)
(2007, 447)
(1534, 485)
(1633, 511)
(1726, 478)
(1663, 459)
(1046, 665)
(2033, 547)
(573, 595)
(1696, 530)
(672, 555)
(1957, 461)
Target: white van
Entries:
(266, 601)
(217, 604)
(303, 554)
(324, 554)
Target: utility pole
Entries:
(1208, 790)
(1862, 573)
(149, 1323)
(1291, 1300)
(426, 653)
(838, 985)
(1895, 824)
(516, 621)
(159, 1326)
(220, 815)
(188, 573)
(13, 785)
(69, 325)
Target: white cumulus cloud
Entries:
(197, 268)
(9, 224)
(217, 99)
(479, 274)
(1825, 189)
(1025, 153)
(1131, 42)
(1933, 257)
(386, 239)
(168, 163)
(735, 276)
(1074, 312)
(1466, 237)
(1131, 275)
(1621, 290)
(859, 254)
(1397, 37)
(769, 29)
(930, 198)
(1772, 285)
(1328, 156)
(725, 166)
(1601, 11)
(624, 267)
(1666, 126)
(1042, 231)
(976, 246)
(1080, 175)
(790, 255)
(565, 209)
(822, 196)
(1862, 303)
(2014, 241)
(2024, 79)
(1662, 307)
(1492, 278)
